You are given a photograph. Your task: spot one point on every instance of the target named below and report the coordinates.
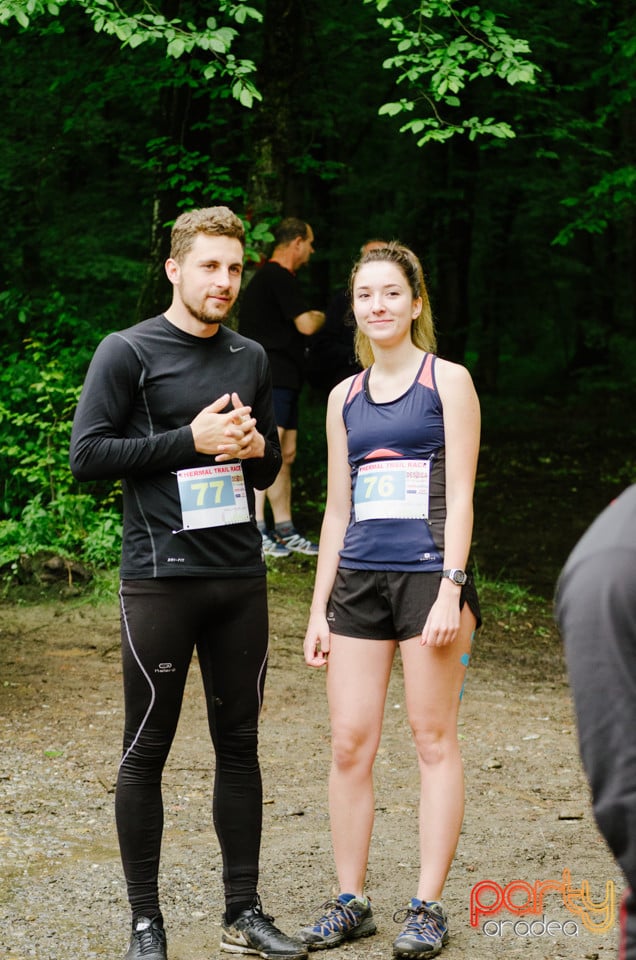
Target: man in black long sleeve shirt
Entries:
(179, 408)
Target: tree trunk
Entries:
(451, 296)
(271, 187)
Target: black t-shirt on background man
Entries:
(268, 306)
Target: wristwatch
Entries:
(457, 576)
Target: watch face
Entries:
(457, 576)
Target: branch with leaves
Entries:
(148, 25)
(440, 50)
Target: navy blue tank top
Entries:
(396, 459)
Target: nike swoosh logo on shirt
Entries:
(236, 349)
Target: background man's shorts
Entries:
(386, 605)
(286, 407)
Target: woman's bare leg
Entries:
(433, 678)
(357, 679)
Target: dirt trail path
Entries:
(61, 890)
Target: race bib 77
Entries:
(213, 496)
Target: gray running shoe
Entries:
(296, 543)
(272, 548)
(343, 920)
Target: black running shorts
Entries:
(386, 605)
(285, 407)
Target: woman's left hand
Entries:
(442, 623)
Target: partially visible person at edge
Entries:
(332, 355)
(179, 408)
(596, 613)
(403, 442)
(275, 311)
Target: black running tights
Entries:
(163, 621)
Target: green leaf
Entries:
(217, 44)
(391, 109)
(176, 47)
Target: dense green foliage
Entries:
(495, 139)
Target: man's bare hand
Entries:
(228, 436)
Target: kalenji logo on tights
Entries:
(165, 668)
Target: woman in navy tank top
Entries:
(403, 442)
